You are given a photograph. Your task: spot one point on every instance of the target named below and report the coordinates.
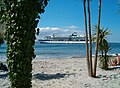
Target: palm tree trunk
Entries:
(97, 38)
(87, 48)
(106, 65)
(90, 40)
(102, 53)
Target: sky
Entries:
(63, 17)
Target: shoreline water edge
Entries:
(47, 51)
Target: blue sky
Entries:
(64, 17)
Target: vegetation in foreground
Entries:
(20, 18)
(103, 47)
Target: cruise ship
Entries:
(71, 39)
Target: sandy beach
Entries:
(67, 73)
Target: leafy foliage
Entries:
(103, 63)
(103, 46)
(19, 19)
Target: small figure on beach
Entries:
(118, 59)
(114, 63)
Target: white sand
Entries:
(67, 73)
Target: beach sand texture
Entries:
(67, 73)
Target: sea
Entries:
(49, 51)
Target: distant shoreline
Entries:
(47, 51)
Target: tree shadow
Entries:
(106, 77)
(112, 76)
(42, 76)
(114, 67)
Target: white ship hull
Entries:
(62, 42)
(71, 39)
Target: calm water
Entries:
(61, 50)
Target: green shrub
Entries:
(104, 62)
(21, 18)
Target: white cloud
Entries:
(71, 27)
(64, 31)
(43, 29)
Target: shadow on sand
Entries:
(114, 67)
(113, 76)
(42, 76)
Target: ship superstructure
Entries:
(73, 38)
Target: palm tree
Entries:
(103, 44)
(86, 32)
(90, 39)
(105, 48)
(88, 51)
(97, 38)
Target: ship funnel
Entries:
(74, 34)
